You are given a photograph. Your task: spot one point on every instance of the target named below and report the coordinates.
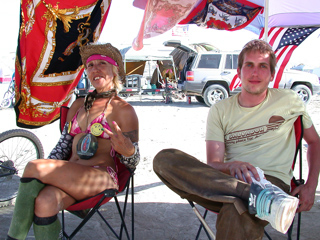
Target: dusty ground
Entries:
(160, 213)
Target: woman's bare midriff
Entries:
(102, 158)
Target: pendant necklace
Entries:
(88, 144)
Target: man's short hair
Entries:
(262, 47)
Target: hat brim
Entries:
(104, 49)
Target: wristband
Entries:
(133, 160)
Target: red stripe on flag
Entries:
(283, 58)
(275, 36)
(261, 33)
(235, 83)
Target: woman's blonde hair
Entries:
(116, 79)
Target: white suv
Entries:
(207, 76)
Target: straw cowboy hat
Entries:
(103, 49)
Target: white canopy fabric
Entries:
(287, 13)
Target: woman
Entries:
(98, 129)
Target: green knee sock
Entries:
(47, 228)
(23, 213)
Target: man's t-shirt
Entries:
(262, 135)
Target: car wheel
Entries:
(304, 92)
(199, 99)
(214, 93)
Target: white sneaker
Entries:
(263, 181)
(272, 204)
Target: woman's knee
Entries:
(36, 168)
(31, 169)
(47, 203)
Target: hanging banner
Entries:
(48, 64)
(159, 17)
(223, 15)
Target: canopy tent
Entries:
(135, 61)
(286, 13)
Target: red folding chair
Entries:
(86, 208)
(298, 128)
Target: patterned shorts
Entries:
(113, 175)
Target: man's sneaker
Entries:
(272, 204)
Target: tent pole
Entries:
(266, 19)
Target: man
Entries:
(250, 131)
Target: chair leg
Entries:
(298, 226)
(62, 223)
(201, 226)
(122, 218)
(85, 220)
(132, 208)
(289, 233)
(208, 230)
(267, 235)
(109, 226)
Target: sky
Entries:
(122, 26)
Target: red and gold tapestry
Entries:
(48, 64)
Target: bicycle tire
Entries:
(17, 147)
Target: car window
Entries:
(231, 61)
(209, 61)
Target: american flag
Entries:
(283, 41)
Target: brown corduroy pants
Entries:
(214, 190)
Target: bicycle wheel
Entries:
(17, 148)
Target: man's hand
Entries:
(215, 158)
(242, 171)
(306, 195)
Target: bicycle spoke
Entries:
(17, 148)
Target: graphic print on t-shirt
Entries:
(253, 133)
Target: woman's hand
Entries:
(120, 142)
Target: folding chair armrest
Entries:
(299, 182)
(296, 182)
(110, 192)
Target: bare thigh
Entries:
(51, 200)
(76, 180)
